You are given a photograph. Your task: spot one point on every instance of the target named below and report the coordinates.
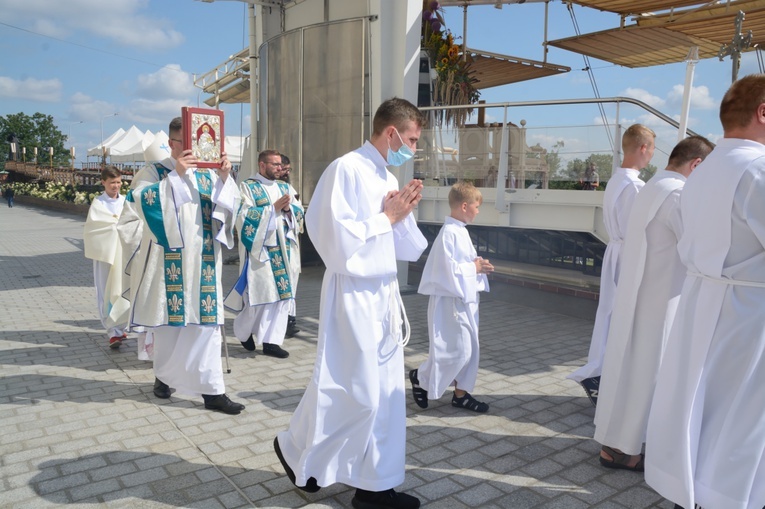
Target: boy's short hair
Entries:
(110, 172)
(635, 136)
(464, 192)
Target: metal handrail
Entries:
(554, 102)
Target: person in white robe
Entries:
(453, 276)
(638, 144)
(706, 429)
(102, 245)
(350, 425)
(179, 296)
(650, 280)
(293, 237)
(263, 294)
(159, 163)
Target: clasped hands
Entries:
(399, 204)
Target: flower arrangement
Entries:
(61, 192)
(454, 84)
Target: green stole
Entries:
(152, 210)
(251, 224)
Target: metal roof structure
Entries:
(666, 36)
(492, 69)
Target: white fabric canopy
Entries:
(122, 147)
(134, 152)
(117, 135)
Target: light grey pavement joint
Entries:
(80, 427)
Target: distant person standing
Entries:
(102, 245)
(9, 194)
(591, 178)
(638, 144)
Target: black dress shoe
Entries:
(275, 351)
(222, 403)
(291, 326)
(249, 344)
(364, 499)
(311, 486)
(161, 389)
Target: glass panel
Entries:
(335, 116)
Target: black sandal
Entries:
(469, 402)
(620, 460)
(419, 394)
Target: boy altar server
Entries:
(453, 276)
(350, 425)
(102, 245)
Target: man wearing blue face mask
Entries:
(350, 426)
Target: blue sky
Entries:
(82, 60)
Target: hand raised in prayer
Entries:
(186, 161)
(283, 203)
(225, 167)
(399, 204)
(483, 266)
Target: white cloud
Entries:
(645, 96)
(83, 107)
(700, 98)
(155, 112)
(170, 82)
(118, 20)
(31, 89)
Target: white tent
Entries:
(117, 135)
(234, 146)
(133, 153)
(124, 144)
(245, 168)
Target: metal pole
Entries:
(253, 89)
(225, 346)
(691, 59)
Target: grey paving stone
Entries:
(81, 426)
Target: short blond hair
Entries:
(635, 136)
(464, 192)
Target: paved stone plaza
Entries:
(80, 426)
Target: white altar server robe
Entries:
(620, 193)
(102, 245)
(451, 280)
(706, 430)
(650, 280)
(350, 425)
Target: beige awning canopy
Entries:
(666, 37)
(493, 70)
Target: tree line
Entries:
(38, 130)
